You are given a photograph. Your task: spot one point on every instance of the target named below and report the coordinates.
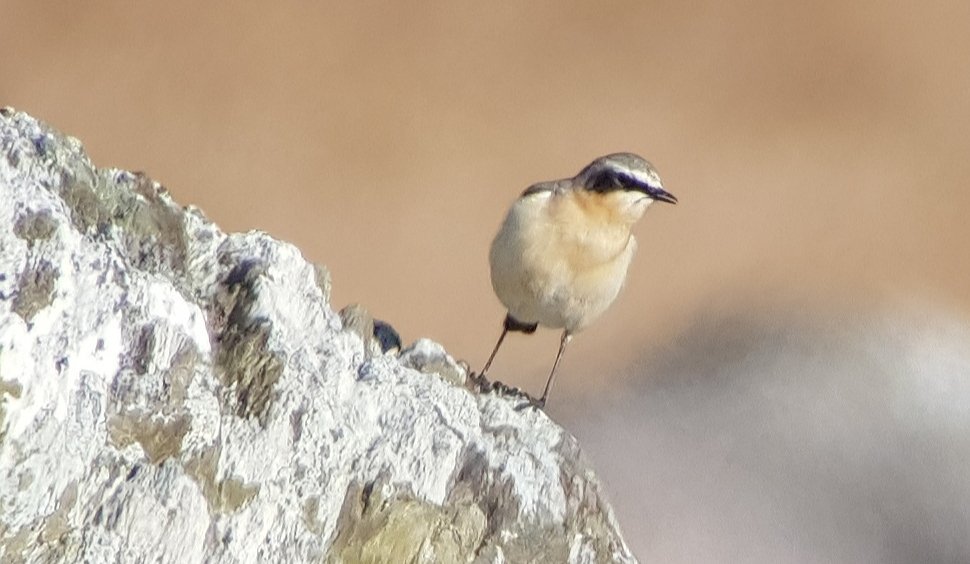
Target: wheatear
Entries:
(561, 256)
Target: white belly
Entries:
(555, 274)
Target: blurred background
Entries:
(785, 377)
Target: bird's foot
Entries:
(479, 383)
(482, 385)
(531, 402)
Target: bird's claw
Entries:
(483, 385)
(531, 402)
(479, 383)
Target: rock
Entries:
(378, 336)
(387, 337)
(429, 357)
(173, 393)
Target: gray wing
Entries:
(550, 186)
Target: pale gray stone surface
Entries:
(173, 393)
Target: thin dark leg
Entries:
(510, 324)
(566, 336)
(505, 330)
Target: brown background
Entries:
(819, 151)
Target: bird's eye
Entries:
(605, 180)
(625, 181)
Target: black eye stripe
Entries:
(626, 180)
(608, 180)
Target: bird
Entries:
(561, 255)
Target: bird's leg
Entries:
(491, 357)
(510, 324)
(566, 337)
(541, 402)
(479, 378)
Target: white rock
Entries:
(172, 393)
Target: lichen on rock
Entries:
(173, 393)
(35, 289)
(385, 525)
(244, 360)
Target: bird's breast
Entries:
(554, 263)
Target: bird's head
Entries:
(625, 181)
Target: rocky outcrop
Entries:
(173, 393)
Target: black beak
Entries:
(660, 195)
